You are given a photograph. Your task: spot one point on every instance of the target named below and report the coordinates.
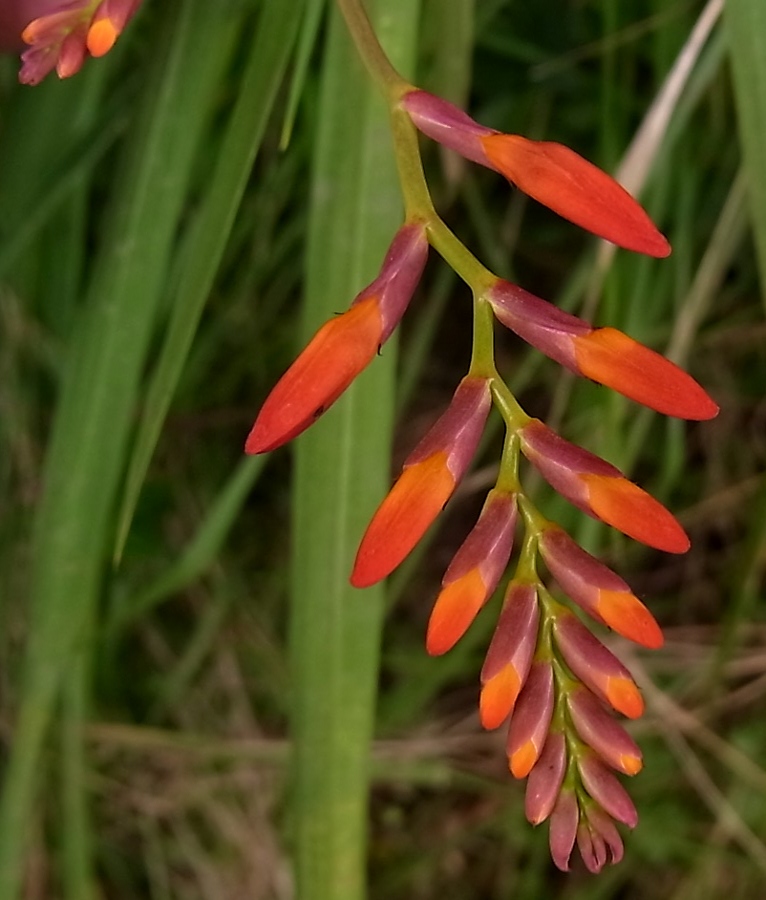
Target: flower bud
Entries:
(606, 790)
(342, 347)
(545, 779)
(599, 489)
(430, 475)
(548, 172)
(531, 719)
(597, 589)
(603, 733)
(563, 829)
(509, 655)
(474, 573)
(597, 838)
(596, 667)
(604, 355)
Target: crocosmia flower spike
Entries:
(431, 473)
(604, 355)
(548, 172)
(474, 573)
(342, 347)
(600, 489)
(61, 34)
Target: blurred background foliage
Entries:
(153, 233)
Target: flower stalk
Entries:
(546, 677)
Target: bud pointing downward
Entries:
(342, 347)
(531, 719)
(431, 473)
(473, 574)
(509, 655)
(574, 188)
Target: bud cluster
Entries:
(546, 678)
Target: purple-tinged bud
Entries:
(531, 719)
(606, 790)
(596, 667)
(447, 124)
(430, 475)
(399, 276)
(605, 355)
(539, 323)
(509, 655)
(600, 490)
(597, 838)
(474, 572)
(563, 829)
(545, 779)
(602, 732)
(597, 589)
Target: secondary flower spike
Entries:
(430, 474)
(600, 489)
(604, 355)
(474, 573)
(548, 172)
(61, 34)
(342, 347)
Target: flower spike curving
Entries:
(556, 687)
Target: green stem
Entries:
(369, 49)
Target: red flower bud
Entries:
(474, 573)
(509, 655)
(598, 590)
(342, 347)
(550, 173)
(600, 489)
(603, 733)
(531, 719)
(431, 473)
(596, 667)
(604, 355)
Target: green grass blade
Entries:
(342, 472)
(94, 415)
(260, 82)
(312, 20)
(746, 27)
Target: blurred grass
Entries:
(146, 709)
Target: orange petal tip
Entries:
(522, 761)
(627, 615)
(627, 507)
(454, 610)
(498, 697)
(403, 518)
(630, 765)
(625, 697)
(102, 35)
(614, 359)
